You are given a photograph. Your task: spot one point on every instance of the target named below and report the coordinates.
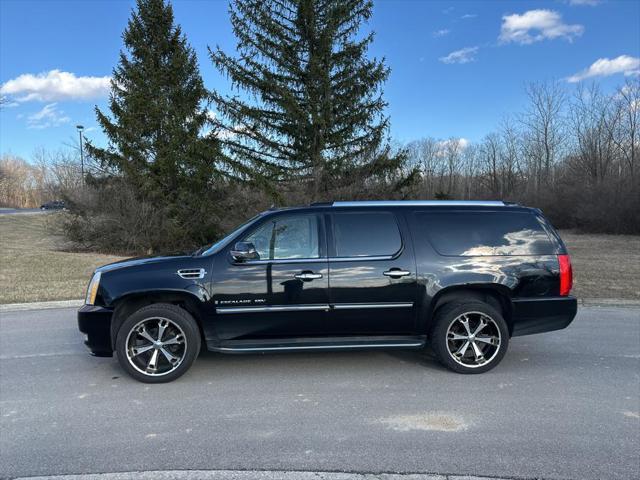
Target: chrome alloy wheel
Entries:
(156, 346)
(473, 339)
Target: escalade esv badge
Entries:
(461, 278)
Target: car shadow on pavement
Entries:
(321, 360)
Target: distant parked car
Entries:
(54, 205)
(463, 277)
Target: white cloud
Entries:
(604, 67)
(536, 25)
(49, 116)
(55, 85)
(462, 143)
(591, 3)
(441, 33)
(6, 103)
(451, 144)
(468, 15)
(464, 55)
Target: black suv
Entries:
(463, 277)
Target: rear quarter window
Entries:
(470, 234)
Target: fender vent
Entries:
(192, 273)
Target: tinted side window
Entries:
(484, 233)
(287, 238)
(364, 234)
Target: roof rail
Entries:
(420, 203)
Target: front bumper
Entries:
(95, 323)
(538, 315)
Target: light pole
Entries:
(80, 129)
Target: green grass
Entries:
(33, 268)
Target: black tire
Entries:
(178, 319)
(443, 343)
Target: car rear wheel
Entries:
(158, 343)
(469, 337)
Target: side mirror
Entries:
(243, 251)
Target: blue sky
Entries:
(457, 68)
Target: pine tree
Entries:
(315, 110)
(157, 130)
(157, 98)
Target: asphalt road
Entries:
(561, 405)
(20, 211)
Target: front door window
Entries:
(286, 238)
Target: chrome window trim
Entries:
(283, 260)
(323, 259)
(315, 307)
(365, 258)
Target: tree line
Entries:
(306, 122)
(576, 156)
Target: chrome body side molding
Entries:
(275, 308)
(316, 307)
(352, 306)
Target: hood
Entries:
(138, 261)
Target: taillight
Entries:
(566, 275)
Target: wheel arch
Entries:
(126, 305)
(498, 296)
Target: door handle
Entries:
(396, 273)
(308, 276)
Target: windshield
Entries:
(223, 241)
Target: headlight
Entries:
(92, 290)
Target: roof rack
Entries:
(419, 203)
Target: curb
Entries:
(18, 307)
(608, 302)
(258, 475)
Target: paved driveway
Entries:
(561, 405)
(19, 211)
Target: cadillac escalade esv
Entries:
(461, 277)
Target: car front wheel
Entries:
(469, 337)
(158, 343)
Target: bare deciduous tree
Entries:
(577, 158)
(626, 135)
(544, 130)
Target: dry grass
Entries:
(604, 266)
(33, 268)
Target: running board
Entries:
(317, 344)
